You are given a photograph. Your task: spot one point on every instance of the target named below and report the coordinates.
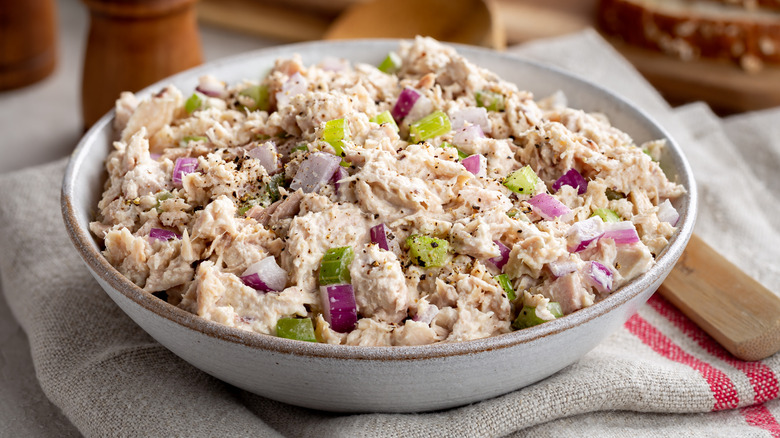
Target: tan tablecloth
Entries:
(659, 375)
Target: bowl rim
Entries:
(100, 267)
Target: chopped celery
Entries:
(336, 132)
(461, 154)
(527, 316)
(433, 125)
(300, 147)
(301, 329)
(162, 196)
(259, 95)
(607, 215)
(503, 280)
(272, 189)
(247, 205)
(188, 138)
(426, 251)
(334, 267)
(385, 117)
(490, 100)
(522, 181)
(262, 136)
(193, 103)
(390, 64)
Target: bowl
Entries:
(376, 379)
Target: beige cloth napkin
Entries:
(659, 375)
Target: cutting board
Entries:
(726, 87)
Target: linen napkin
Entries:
(659, 375)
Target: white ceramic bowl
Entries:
(389, 379)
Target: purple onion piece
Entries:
(379, 236)
(600, 276)
(572, 178)
(295, 85)
(667, 213)
(582, 233)
(182, 167)
(559, 268)
(211, 87)
(548, 207)
(404, 104)
(471, 115)
(266, 153)
(468, 135)
(427, 315)
(503, 258)
(622, 232)
(163, 235)
(339, 307)
(475, 164)
(265, 276)
(339, 175)
(315, 171)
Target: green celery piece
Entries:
(607, 215)
(385, 117)
(391, 63)
(188, 138)
(503, 280)
(461, 154)
(300, 329)
(300, 147)
(426, 251)
(272, 189)
(260, 95)
(247, 205)
(336, 133)
(433, 125)
(193, 103)
(527, 316)
(490, 100)
(334, 267)
(522, 181)
(162, 196)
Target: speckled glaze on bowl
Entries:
(376, 379)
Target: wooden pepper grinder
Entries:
(28, 41)
(134, 43)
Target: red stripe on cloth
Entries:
(759, 416)
(762, 378)
(722, 387)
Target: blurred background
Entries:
(64, 62)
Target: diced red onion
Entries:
(339, 307)
(427, 315)
(265, 276)
(600, 276)
(559, 268)
(548, 207)
(182, 167)
(503, 257)
(572, 178)
(476, 164)
(421, 108)
(267, 154)
(667, 213)
(582, 233)
(379, 236)
(163, 235)
(295, 85)
(331, 63)
(468, 135)
(154, 156)
(210, 86)
(404, 104)
(471, 114)
(315, 171)
(339, 175)
(622, 232)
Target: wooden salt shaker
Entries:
(134, 43)
(28, 43)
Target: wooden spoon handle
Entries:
(736, 310)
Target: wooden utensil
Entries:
(736, 310)
(467, 22)
(134, 43)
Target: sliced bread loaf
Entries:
(693, 29)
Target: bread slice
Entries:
(691, 29)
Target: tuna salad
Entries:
(420, 200)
